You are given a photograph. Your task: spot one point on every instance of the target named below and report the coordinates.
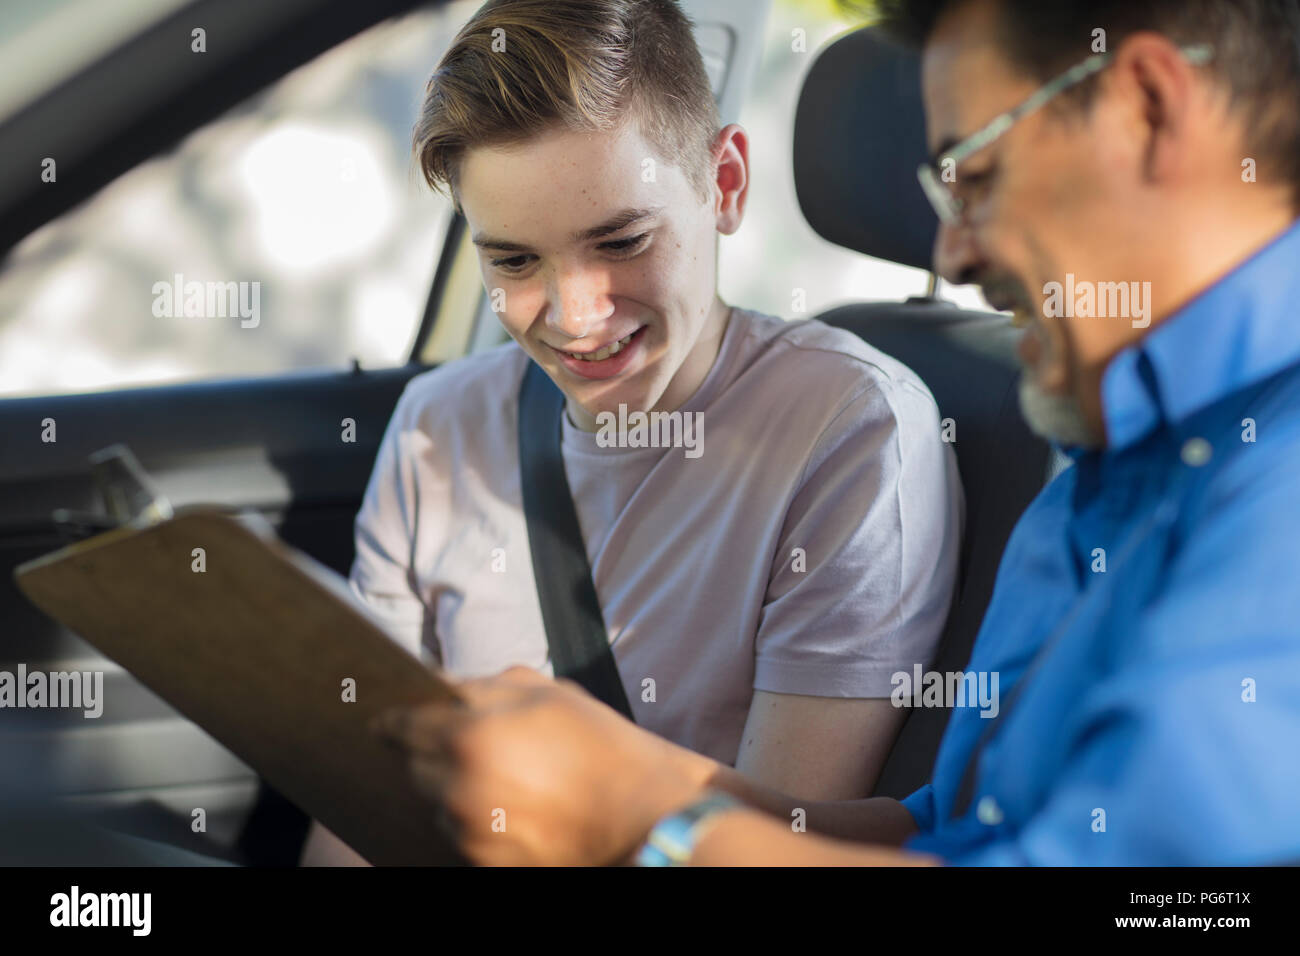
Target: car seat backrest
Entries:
(859, 136)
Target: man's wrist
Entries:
(676, 782)
(673, 840)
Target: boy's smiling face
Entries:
(600, 246)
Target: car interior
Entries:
(271, 443)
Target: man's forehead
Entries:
(966, 77)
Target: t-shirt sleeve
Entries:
(864, 571)
(382, 576)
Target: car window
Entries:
(292, 233)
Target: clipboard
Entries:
(255, 649)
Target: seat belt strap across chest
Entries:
(575, 626)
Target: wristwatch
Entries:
(674, 838)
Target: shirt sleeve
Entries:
(865, 567)
(1189, 753)
(382, 576)
(1179, 769)
(920, 804)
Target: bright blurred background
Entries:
(309, 189)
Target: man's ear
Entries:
(1165, 87)
(731, 177)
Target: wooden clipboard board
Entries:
(255, 650)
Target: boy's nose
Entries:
(579, 301)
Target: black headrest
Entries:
(859, 134)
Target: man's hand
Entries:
(536, 771)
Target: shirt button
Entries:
(988, 812)
(1196, 452)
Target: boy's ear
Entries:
(731, 177)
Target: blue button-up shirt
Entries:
(1154, 588)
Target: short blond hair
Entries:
(521, 67)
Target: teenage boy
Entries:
(760, 583)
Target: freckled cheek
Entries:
(678, 286)
(681, 267)
(643, 279)
(514, 303)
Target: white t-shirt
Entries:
(811, 548)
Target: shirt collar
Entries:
(1239, 331)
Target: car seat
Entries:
(859, 137)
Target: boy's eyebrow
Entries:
(620, 220)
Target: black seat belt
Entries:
(575, 628)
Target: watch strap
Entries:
(674, 838)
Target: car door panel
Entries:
(275, 446)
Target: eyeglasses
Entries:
(950, 207)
